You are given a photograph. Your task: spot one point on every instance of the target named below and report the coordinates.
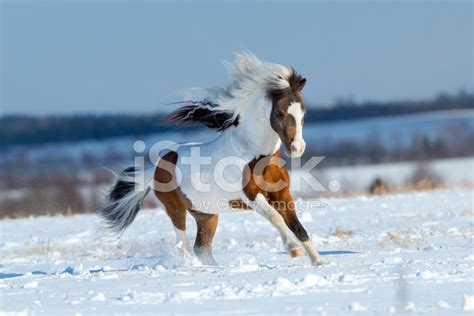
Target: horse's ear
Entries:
(301, 84)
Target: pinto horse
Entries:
(258, 112)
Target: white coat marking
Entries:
(298, 145)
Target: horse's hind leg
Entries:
(178, 218)
(175, 202)
(206, 229)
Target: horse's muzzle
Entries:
(297, 148)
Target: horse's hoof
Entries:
(296, 252)
(206, 259)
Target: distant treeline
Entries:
(349, 110)
(26, 130)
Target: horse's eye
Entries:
(280, 114)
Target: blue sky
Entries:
(120, 56)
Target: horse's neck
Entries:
(254, 135)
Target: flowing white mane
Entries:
(249, 76)
(250, 73)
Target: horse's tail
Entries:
(126, 198)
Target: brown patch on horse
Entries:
(274, 174)
(168, 191)
(268, 178)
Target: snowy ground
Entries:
(398, 253)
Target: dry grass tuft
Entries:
(467, 213)
(343, 233)
(402, 239)
(46, 250)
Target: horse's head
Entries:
(287, 114)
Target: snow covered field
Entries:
(397, 253)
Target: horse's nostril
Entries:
(294, 147)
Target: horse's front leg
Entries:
(284, 204)
(261, 205)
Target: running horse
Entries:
(258, 112)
